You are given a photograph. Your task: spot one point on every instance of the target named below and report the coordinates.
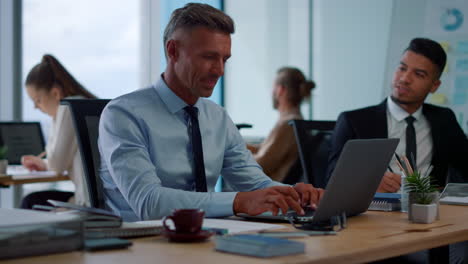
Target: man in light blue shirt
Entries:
(147, 153)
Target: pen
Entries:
(390, 169)
(217, 231)
(413, 161)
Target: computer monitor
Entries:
(21, 138)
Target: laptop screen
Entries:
(21, 138)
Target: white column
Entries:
(269, 34)
(350, 42)
(10, 60)
(151, 42)
(10, 73)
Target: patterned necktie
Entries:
(411, 141)
(197, 149)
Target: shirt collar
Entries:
(399, 113)
(173, 102)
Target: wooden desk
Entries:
(16, 183)
(9, 180)
(371, 236)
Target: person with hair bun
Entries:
(278, 152)
(47, 83)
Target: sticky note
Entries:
(460, 95)
(461, 65)
(438, 98)
(445, 45)
(462, 47)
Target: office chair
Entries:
(86, 114)
(243, 125)
(313, 143)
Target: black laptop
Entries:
(352, 185)
(21, 138)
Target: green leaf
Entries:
(422, 186)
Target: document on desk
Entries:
(20, 172)
(233, 226)
(454, 200)
(455, 193)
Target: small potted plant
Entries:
(423, 198)
(3, 160)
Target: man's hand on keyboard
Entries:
(309, 196)
(271, 199)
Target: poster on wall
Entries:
(446, 22)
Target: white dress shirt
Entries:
(146, 156)
(63, 154)
(396, 128)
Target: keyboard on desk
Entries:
(291, 214)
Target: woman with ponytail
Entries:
(278, 153)
(46, 84)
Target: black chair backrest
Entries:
(86, 114)
(314, 142)
(243, 125)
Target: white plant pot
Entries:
(424, 213)
(412, 198)
(3, 166)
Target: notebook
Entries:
(353, 183)
(92, 217)
(386, 202)
(258, 245)
(21, 138)
(127, 230)
(455, 194)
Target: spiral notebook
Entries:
(127, 230)
(386, 202)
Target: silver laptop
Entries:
(353, 183)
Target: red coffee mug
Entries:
(185, 220)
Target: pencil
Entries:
(401, 167)
(410, 169)
(399, 163)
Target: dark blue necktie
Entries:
(411, 140)
(197, 149)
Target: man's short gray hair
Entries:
(198, 15)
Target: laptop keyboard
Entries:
(309, 212)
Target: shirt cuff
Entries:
(221, 204)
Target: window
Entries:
(97, 41)
(166, 9)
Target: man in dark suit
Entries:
(428, 133)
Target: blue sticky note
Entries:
(460, 96)
(462, 47)
(462, 65)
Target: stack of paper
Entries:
(29, 233)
